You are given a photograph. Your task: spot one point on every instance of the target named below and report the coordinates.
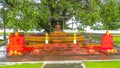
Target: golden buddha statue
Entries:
(58, 32)
(58, 35)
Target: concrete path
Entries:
(63, 64)
(2, 51)
(66, 65)
(3, 57)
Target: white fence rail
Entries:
(104, 31)
(95, 31)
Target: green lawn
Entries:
(88, 64)
(116, 40)
(96, 38)
(103, 64)
(2, 42)
(26, 65)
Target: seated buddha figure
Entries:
(57, 35)
(57, 32)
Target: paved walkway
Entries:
(3, 57)
(66, 65)
(2, 51)
(63, 64)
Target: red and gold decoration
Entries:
(16, 44)
(107, 41)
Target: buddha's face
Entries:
(57, 27)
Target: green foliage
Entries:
(89, 13)
(110, 13)
(28, 14)
(21, 15)
(1, 25)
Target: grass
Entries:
(2, 42)
(117, 43)
(96, 38)
(103, 64)
(116, 40)
(88, 64)
(25, 65)
(1, 33)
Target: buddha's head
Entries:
(107, 33)
(16, 33)
(57, 23)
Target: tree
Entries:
(1, 25)
(110, 14)
(29, 14)
(89, 13)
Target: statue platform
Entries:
(57, 43)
